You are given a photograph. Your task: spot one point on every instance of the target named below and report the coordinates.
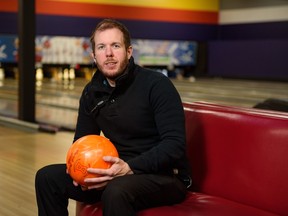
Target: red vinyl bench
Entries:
(239, 164)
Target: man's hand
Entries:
(118, 168)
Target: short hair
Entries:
(109, 24)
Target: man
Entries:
(141, 113)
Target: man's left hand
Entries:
(118, 168)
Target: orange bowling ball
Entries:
(88, 152)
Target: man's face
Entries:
(110, 53)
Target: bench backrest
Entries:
(239, 154)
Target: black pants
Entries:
(123, 195)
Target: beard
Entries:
(113, 75)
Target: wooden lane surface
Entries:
(21, 155)
(57, 104)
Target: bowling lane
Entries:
(235, 92)
(57, 101)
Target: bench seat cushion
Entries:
(196, 204)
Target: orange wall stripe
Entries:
(202, 5)
(8, 5)
(115, 11)
(125, 12)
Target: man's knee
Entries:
(115, 190)
(117, 200)
(48, 173)
(40, 176)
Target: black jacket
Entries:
(142, 116)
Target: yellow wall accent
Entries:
(202, 5)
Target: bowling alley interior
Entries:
(226, 53)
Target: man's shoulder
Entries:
(150, 74)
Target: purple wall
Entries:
(79, 26)
(254, 31)
(264, 59)
(8, 23)
(258, 51)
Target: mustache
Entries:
(110, 60)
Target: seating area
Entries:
(238, 161)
